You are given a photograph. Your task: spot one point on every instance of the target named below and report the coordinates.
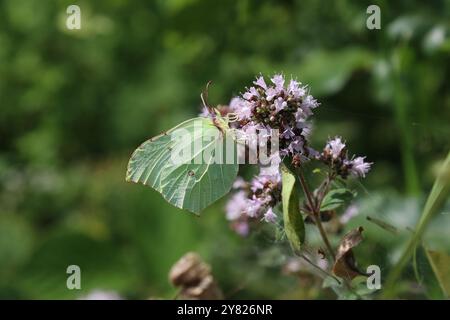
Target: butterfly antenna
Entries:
(204, 97)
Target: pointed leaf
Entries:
(335, 198)
(293, 220)
(440, 262)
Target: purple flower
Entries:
(271, 93)
(278, 81)
(239, 183)
(352, 211)
(241, 107)
(253, 207)
(306, 130)
(258, 183)
(322, 263)
(300, 115)
(262, 110)
(335, 147)
(241, 227)
(270, 216)
(309, 103)
(284, 152)
(205, 112)
(252, 92)
(359, 168)
(296, 145)
(98, 294)
(273, 169)
(260, 82)
(295, 90)
(288, 134)
(249, 134)
(280, 104)
(236, 206)
(235, 103)
(314, 154)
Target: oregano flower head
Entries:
(287, 107)
(280, 105)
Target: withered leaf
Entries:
(194, 278)
(345, 265)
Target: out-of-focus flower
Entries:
(205, 112)
(296, 145)
(241, 228)
(270, 216)
(272, 168)
(288, 134)
(349, 213)
(239, 183)
(236, 206)
(359, 167)
(242, 108)
(255, 200)
(254, 207)
(309, 103)
(98, 294)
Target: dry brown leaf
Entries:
(345, 265)
(194, 278)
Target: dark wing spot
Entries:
(191, 173)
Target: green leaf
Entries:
(335, 198)
(293, 220)
(436, 199)
(181, 164)
(440, 262)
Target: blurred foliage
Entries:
(75, 103)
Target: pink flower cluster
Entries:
(278, 105)
(335, 155)
(255, 200)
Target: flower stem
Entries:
(324, 236)
(323, 190)
(316, 212)
(317, 267)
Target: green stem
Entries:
(316, 213)
(437, 197)
(317, 267)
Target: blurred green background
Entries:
(74, 104)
